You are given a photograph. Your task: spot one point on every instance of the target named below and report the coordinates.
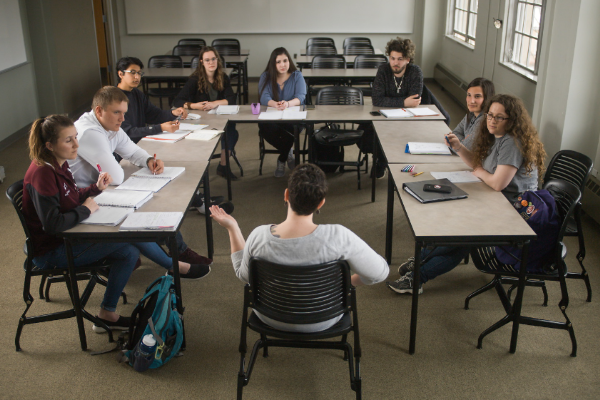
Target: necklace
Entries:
(399, 86)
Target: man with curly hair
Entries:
(397, 84)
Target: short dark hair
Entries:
(404, 46)
(307, 187)
(125, 62)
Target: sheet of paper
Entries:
(456, 176)
(110, 216)
(428, 148)
(152, 221)
(168, 137)
(145, 184)
(185, 126)
(396, 113)
(206, 135)
(293, 114)
(271, 115)
(421, 111)
(123, 198)
(192, 116)
(228, 109)
(168, 173)
(273, 109)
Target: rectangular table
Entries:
(445, 224)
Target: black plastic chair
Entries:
(88, 272)
(320, 41)
(356, 49)
(300, 295)
(225, 41)
(357, 40)
(192, 41)
(368, 61)
(164, 61)
(332, 135)
(567, 196)
(315, 50)
(574, 167)
(333, 61)
(231, 47)
(186, 50)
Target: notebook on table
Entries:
(415, 189)
(427, 148)
(123, 198)
(144, 221)
(409, 112)
(110, 216)
(145, 180)
(292, 113)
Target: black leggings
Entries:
(280, 136)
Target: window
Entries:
(462, 19)
(523, 34)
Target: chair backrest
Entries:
(226, 41)
(356, 49)
(320, 41)
(567, 196)
(340, 96)
(335, 61)
(186, 50)
(357, 40)
(165, 62)
(315, 50)
(304, 294)
(570, 166)
(192, 41)
(194, 63)
(369, 60)
(228, 49)
(15, 195)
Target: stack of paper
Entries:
(228, 109)
(168, 137)
(205, 135)
(142, 221)
(192, 116)
(146, 180)
(421, 111)
(408, 112)
(184, 126)
(123, 198)
(111, 216)
(292, 113)
(427, 148)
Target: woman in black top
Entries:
(206, 89)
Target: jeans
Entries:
(122, 258)
(155, 253)
(232, 136)
(181, 246)
(441, 260)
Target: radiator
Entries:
(453, 85)
(591, 198)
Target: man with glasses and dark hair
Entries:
(143, 118)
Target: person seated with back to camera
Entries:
(281, 86)
(206, 89)
(144, 119)
(507, 155)
(398, 83)
(100, 135)
(299, 241)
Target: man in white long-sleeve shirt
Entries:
(100, 135)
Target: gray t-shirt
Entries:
(326, 243)
(465, 131)
(212, 93)
(505, 151)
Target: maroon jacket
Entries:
(52, 204)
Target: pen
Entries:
(99, 169)
(154, 163)
(417, 174)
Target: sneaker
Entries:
(291, 160)
(380, 172)
(404, 284)
(280, 171)
(197, 271)
(122, 324)
(408, 266)
(227, 206)
(222, 171)
(191, 257)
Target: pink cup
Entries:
(255, 108)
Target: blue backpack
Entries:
(156, 313)
(539, 210)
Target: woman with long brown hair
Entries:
(207, 88)
(479, 92)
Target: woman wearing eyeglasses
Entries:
(207, 88)
(479, 91)
(507, 155)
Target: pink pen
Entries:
(99, 168)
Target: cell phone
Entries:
(310, 107)
(375, 113)
(428, 187)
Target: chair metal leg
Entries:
(41, 290)
(499, 324)
(485, 288)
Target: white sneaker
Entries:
(201, 209)
(291, 161)
(280, 171)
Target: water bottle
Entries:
(144, 353)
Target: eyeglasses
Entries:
(497, 118)
(134, 72)
(210, 60)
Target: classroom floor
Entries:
(447, 364)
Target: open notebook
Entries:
(123, 198)
(409, 112)
(111, 216)
(143, 221)
(289, 113)
(146, 180)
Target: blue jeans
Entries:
(154, 252)
(122, 258)
(181, 246)
(441, 260)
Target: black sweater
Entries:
(385, 93)
(141, 112)
(190, 93)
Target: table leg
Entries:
(390, 220)
(227, 163)
(209, 230)
(297, 143)
(516, 309)
(415, 298)
(176, 279)
(246, 81)
(374, 167)
(75, 294)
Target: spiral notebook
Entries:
(110, 216)
(144, 221)
(123, 198)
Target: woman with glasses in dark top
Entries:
(207, 88)
(507, 155)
